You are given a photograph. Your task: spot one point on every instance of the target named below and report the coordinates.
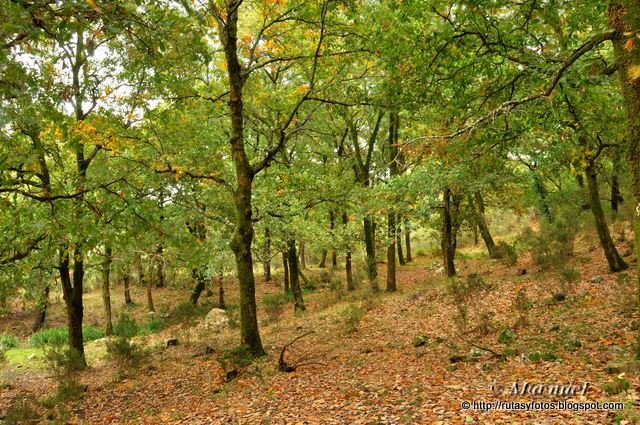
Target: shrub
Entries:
(464, 294)
(124, 353)
(8, 341)
(274, 305)
(186, 311)
(60, 335)
(506, 336)
(152, 326)
(505, 252)
(126, 326)
(552, 245)
(352, 316)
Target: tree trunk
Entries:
(126, 279)
(43, 303)
(624, 17)
(139, 270)
(334, 253)
(323, 259)
(158, 262)
(477, 205)
(447, 239)
(285, 267)
(267, 255)
(303, 256)
(221, 303)
(72, 294)
(201, 283)
(616, 195)
(347, 257)
(541, 190)
(401, 258)
(616, 263)
(370, 246)
(407, 239)
(150, 295)
(391, 252)
(106, 290)
(294, 276)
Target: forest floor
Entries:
(375, 358)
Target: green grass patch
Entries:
(60, 336)
(8, 341)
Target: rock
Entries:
(165, 315)
(419, 341)
(559, 297)
(596, 279)
(216, 319)
(151, 313)
(172, 342)
(618, 367)
(32, 356)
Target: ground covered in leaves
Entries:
(410, 357)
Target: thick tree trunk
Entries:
(303, 256)
(391, 252)
(323, 259)
(448, 238)
(126, 279)
(285, 268)
(106, 291)
(370, 247)
(267, 256)
(201, 283)
(624, 18)
(616, 263)
(72, 294)
(43, 303)
(294, 276)
(407, 239)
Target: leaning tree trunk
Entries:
(616, 263)
(294, 276)
(323, 259)
(201, 283)
(407, 240)
(106, 290)
(477, 205)
(447, 238)
(303, 256)
(624, 18)
(150, 306)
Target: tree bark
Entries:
(244, 232)
(401, 258)
(407, 239)
(126, 279)
(285, 267)
(267, 256)
(541, 190)
(447, 237)
(391, 252)
(616, 263)
(624, 17)
(43, 303)
(334, 253)
(370, 247)
(294, 276)
(158, 267)
(221, 303)
(323, 259)
(347, 257)
(106, 290)
(616, 195)
(150, 306)
(72, 294)
(477, 205)
(201, 283)
(303, 256)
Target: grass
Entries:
(60, 335)
(8, 341)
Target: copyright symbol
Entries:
(465, 405)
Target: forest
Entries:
(319, 212)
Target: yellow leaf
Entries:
(633, 72)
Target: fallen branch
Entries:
(488, 350)
(283, 366)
